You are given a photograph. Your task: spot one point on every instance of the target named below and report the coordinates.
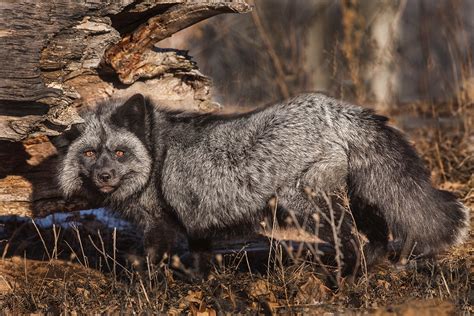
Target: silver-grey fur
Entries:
(207, 173)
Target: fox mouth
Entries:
(106, 188)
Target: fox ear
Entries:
(134, 116)
(62, 141)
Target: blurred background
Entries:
(385, 54)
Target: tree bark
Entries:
(59, 57)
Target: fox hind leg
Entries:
(374, 227)
(325, 215)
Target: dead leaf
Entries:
(431, 307)
(194, 297)
(201, 310)
(384, 284)
(312, 291)
(259, 288)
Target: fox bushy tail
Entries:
(388, 176)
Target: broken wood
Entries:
(132, 53)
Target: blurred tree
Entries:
(383, 53)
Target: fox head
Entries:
(111, 153)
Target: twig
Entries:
(56, 239)
(272, 235)
(42, 240)
(280, 78)
(114, 251)
(337, 243)
(86, 263)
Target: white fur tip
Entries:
(463, 233)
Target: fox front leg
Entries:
(200, 257)
(165, 241)
(163, 237)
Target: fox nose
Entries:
(105, 176)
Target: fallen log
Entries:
(63, 56)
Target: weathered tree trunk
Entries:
(380, 70)
(61, 56)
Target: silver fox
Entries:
(206, 174)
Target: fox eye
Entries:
(119, 153)
(89, 153)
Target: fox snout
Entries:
(105, 176)
(106, 179)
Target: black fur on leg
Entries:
(198, 262)
(373, 226)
